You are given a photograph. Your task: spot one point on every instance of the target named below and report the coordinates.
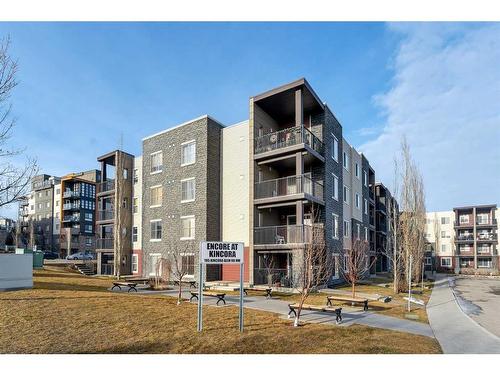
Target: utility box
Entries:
(37, 259)
(16, 271)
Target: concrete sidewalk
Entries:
(349, 316)
(456, 332)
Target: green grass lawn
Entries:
(70, 313)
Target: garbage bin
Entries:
(37, 259)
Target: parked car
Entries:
(80, 256)
(50, 255)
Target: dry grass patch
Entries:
(69, 313)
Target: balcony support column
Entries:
(299, 108)
(299, 212)
(99, 262)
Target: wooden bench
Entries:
(119, 284)
(336, 310)
(137, 280)
(192, 283)
(219, 296)
(267, 290)
(364, 301)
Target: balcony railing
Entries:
(487, 222)
(71, 206)
(71, 218)
(487, 237)
(282, 235)
(105, 215)
(108, 185)
(71, 194)
(465, 237)
(288, 186)
(288, 137)
(105, 243)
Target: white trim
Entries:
(335, 236)
(346, 195)
(336, 197)
(188, 217)
(184, 123)
(189, 200)
(335, 139)
(187, 143)
(136, 256)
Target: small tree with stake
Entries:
(315, 264)
(356, 263)
(178, 269)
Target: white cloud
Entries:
(445, 97)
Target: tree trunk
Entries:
(179, 297)
(353, 290)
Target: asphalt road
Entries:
(480, 299)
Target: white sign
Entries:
(216, 252)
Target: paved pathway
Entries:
(456, 332)
(349, 316)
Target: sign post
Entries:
(217, 252)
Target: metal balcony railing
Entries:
(282, 235)
(105, 215)
(71, 194)
(288, 186)
(105, 243)
(71, 218)
(71, 206)
(288, 137)
(487, 237)
(486, 222)
(465, 237)
(273, 276)
(108, 185)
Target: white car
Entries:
(80, 256)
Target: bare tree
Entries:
(356, 263)
(269, 268)
(314, 263)
(178, 269)
(14, 180)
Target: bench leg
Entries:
(220, 299)
(366, 306)
(193, 297)
(268, 295)
(338, 318)
(132, 288)
(114, 286)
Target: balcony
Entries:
(69, 194)
(492, 222)
(71, 206)
(107, 186)
(281, 277)
(104, 215)
(282, 235)
(105, 243)
(468, 224)
(285, 138)
(71, 219)
(465, 237)
(289, 187)
(490, 237)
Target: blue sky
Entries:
(83, 85)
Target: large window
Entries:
(445, 220)
(484, 262)
(356, 170)
(156, 230)
(157, 162)
(155, 262)
(444, 248)
(464, 219)
(346, 195)
(335, 188)
(135, 176)
(346, 161)
(346, 229)
(135, 205)
(188, 153)
(482, 218)
(188, 190)
(365, 178)
(445, 262)
(357, 200)
(335, 233)
(335, 148)
(187, 227)
(188, 264)
(156, 195)
(135, 263)
(134, 234)
(365, 206)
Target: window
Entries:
(135, 263)
(358, 231)
(346, 194)
(47, 228)
(346, 161)
(356, 170)
(157, 162)
(156, 230)
(156, 196)
(484, 263)
(346, 229)
(464, 219)
(187, 190)
(155, 260)
(88, 241)
(482, 218)
(188, 264)
(365, 206)
(134, 234)
(88, 228)
(57, 203)
(346, 262)
(444, 247)
(125, 173)
(483, 248)
(335, 233)
(365, 179)
(135, 176)
(125, 203)
(187, 227)
(188, 153)
(357, 200)
(39, 206)
(88, 216)
(58, 191)
(366, 234)
(135, 205)
(445, 262)
(335, 188)
(57, 226)
(335, 148)
(443, 234)
(47, 205)
(428, 261)
(445, 220)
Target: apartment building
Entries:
(114, 214)
(181, 197)
(74, 213)
(464, 240)
(386, 213)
